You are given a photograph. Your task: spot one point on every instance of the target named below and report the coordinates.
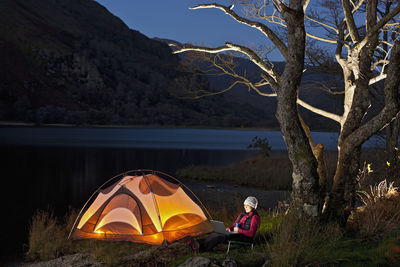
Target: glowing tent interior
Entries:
(142, 207)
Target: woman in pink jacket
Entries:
(243, 229)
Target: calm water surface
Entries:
(211, 139)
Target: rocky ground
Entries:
(155, 256)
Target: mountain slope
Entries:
(71, 61)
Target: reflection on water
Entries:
(40, 177)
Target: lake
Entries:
(57, 167)
(160, 138)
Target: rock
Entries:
(76, 260)
(228, 262)
(200, 262)
(144, 254)
(155, 256)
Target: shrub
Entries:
(47, 237)
(380, 213)
(262, 145)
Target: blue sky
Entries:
(172, 19)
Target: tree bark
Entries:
(342, 197)
(305, 192)
(353, 134)
(392, 139)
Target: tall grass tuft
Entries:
(47, 237)
(380, 213)
(302, 241)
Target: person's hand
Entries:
(236, 229)
(227, 229)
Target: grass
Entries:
(48, 240)
(299, 242)
(256, 172)
(283, 240)
(269, 173)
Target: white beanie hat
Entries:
(251, 201)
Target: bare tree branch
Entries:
(381, 61)
(339, 48)
(377, 78)
(321, 112)
(322, 86)
(386, 43)
(351, 25)
(204, 93)
(392, 106)
(355, 8)
(322, 24)
(326, 40)
(379, 25)
(275, 76)
(263, 28)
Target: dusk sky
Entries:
(173, 20)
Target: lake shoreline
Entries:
(32, 124)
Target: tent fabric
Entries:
(142, 208)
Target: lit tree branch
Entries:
(355, 8)
(271, 19)
(322, 24)
(321, 112)
(322, 86)
(381, 61)
(275, 19)
(204, 93)
(391, 109)
(339, 47)
(232, 47)
(255, 86)
(377, 78)
(258, 91)
(395, 24)
(263, 28)
(351, 25)
(386, 43)
(225, 65)
(321, 38)
(379, 25)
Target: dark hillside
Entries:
(71, 61)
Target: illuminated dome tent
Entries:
(141, 207)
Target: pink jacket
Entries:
(254, 224)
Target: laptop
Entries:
(219, 227)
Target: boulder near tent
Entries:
(141, 206)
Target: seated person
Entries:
(243, 229)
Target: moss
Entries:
(311, 210)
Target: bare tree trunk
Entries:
(305, 191)
(392, 139)
(392, 142)
(318, 151)
(341, 198)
